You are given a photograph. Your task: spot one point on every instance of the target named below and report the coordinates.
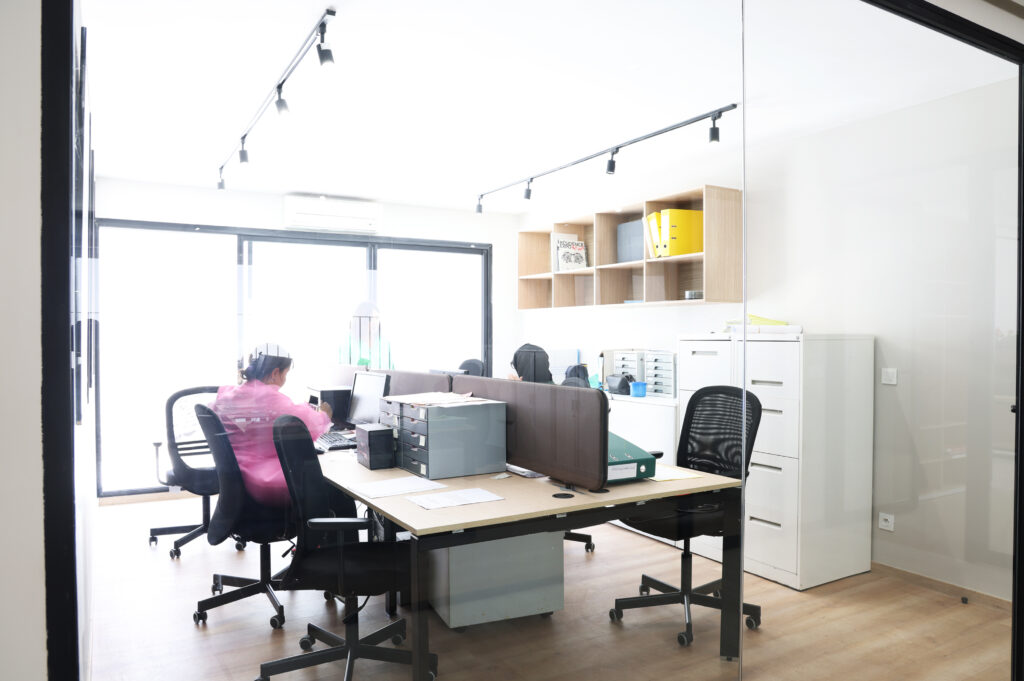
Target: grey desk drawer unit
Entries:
(660, 373)
(447, 440)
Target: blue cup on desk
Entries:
(638, 389)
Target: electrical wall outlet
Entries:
(887, 522)
(889, 377)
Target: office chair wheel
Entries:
(398, 639)
(328, 596)
(753, 622)
(216, 589)
(277, 621)
(306, 643)
(175, 553)
(645, 590)
(716, 594)
(153, 539)
(615, 615)
(199, 616)
(239, 545)
(684, 639)
(589, 546)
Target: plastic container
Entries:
(638, 389)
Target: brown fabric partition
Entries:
(555, 430)
(415, 382)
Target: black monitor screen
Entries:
(367, 389)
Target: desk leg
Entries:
(418, 604)
(732, 575)
(391, 599)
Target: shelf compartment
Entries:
(582, 230)
(606, 233)
(617, 285)
(534, 253)
(668, 278)
(574, 288)
(535, 292)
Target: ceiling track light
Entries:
(282, 106)
(323, 50)
(529, 192)
(714, 115)
(316, 36)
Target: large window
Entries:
(179, 306)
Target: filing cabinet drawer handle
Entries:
(766, 467)
(762, 521)
(756, 381)
(766, 410)
(708, 353)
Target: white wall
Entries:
(904, 227)
(23, 644)
(138, 201)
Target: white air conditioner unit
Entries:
(304, 211)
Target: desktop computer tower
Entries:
(338, 397)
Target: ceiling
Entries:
(433, 103)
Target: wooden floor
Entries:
(872, 626)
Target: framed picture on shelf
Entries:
(570, 254)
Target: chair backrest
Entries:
(712, 436)
(577, 376)
(532, 364)
(304, 477)
(232, 498)
(185, 438)
(473, 367)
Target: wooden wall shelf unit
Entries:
(717, 271)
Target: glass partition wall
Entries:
(881, 185)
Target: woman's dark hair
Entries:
(262, 364)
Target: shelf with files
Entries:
(716, 271)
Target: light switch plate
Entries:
(889, 377)
(887, 522)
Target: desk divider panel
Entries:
(555, 430)
(415, 382)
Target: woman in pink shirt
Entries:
(248, 412)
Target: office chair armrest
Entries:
(656, 454)
(338, 524)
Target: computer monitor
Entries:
(367, 389)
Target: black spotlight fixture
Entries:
(479, 204)
(713, 132)
(529, 192)
(282, 106)
(610, 168)
(323, 50)
(220, 182)
(243, 155)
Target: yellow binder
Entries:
(654, 234)
(682, 231)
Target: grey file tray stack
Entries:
(441, 436)
(555, 430)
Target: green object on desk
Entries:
(626, 461)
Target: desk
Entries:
(527, 507)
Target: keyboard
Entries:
(334, 439)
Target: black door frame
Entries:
(57, 405)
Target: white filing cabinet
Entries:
(807, 509)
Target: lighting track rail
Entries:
(610, 167)
(316, 36)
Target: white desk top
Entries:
(522, 498)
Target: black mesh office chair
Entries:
(473, 367)
(239, 515)
(325, 558)
(712, 442)
(185, 441)
(532, 364)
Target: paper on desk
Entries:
(459, 497)
(389, 488)
(664, 473)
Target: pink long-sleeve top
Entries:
(248, 412)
